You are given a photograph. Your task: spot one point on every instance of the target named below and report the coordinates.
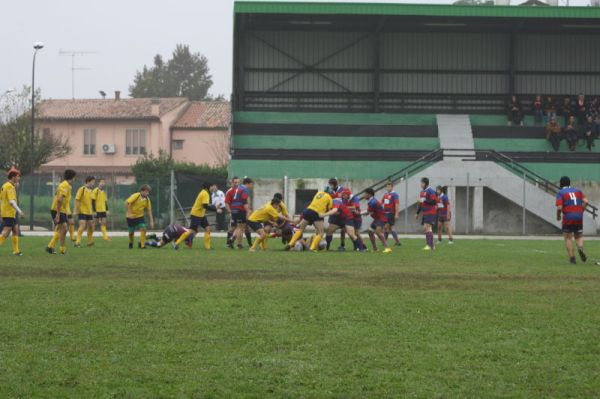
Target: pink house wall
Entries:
(202, 146)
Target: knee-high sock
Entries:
(79, 235)
(249, 237)
(183, 237)
(131, 237)
(429, 238)
(54, 239)
(229, 235)
(90, 235)
(395, 236)
(383, 239)
(15, 244)
(72, 232)
(2, 239)
(104, 233)
(387, 235)
(328, 238)
(315, 242)
(373, 242)
(295, 238)
(142, 238)
(257, 242)
(207, 240)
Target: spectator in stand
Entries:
(514, 112)
(596, 129)
(594, 108)
(538, 110)
(571, 133)
(549, 108)
(580, 110)
(554, 133)
(565, 110)
(588, 133)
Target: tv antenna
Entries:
(73, 54)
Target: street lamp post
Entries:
(36, 47)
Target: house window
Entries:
(178, 144)
(135, 141)
(89, 141)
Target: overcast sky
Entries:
(125, 34)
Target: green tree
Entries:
(186, 74)
(15, 135)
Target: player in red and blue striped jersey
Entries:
(341, 216)
(444, 214)
(570, 206)
(335, 191)
(375, 209)
(391, 206)
(236, 201)
(354, 204)
(428, 210)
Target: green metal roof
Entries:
(433, 10)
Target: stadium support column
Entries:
(452, 195)
(511, 63)
(478, 209)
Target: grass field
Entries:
(479, 319)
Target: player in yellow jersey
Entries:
(85, 212)
(100, 205)
(321, 203)
(59, 208)
(198, 218)
(9, 209)
(137, 205)
(269, 213)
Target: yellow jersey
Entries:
(8, 193)
(284, 210)
(63, 190)
(202, 199)
(138, 205)
(84, 198)
(267, 213)
(321, 202)
(100, 197)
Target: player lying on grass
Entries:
(85, 212)
(342, 217)
(375, 209)
(570, 206)
(428, 210)
(172, 233)
(269, 213)
(9, 209)
(59, 209)
(321, 203)
(444, 215)
(100, 207)
(137, 206)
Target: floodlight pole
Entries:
(36, 48)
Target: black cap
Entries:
(565, 181)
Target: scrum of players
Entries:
(335, 203)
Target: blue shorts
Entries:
(62, 218)
(255, 225)
(197, 221)
(311, 216)
(429, 219)
(9, 222)
(357, 223)
(391, 219)
(443, 218)
(377, 223)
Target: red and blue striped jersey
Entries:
(337, 193)
(375, 209)
(428, 202)
(572, 202)
(443, 204)
(343, 211)
(391, 202)
(237, 198)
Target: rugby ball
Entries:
(322, 245)
(298, 247)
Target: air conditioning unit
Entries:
(108, 148)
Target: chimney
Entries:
(155, 106)
(117, 95)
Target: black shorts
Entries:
(9, 222)
(197, 221)
(443, 218)
(169, 234)
(573, 228)
(62, 218)
(311, 216)
(134, 222)
(391, 219)
(70, 216)
(357, 223)
(100, 215)
(376, 224)
(255, 225)
(85, 217)
(238, 216)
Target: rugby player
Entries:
(9, 209)
(172, 233)
(444, 215)
(321, 203)
(138, 204)
(198, 217)
(375, 209)
(391, 206)
(269, 213)
(84, 211)
(341, 216)
(61, 204)
(428, 210)
(100, 207)
(570, 206)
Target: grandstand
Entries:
(367, 91)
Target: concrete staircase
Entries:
(456, 136)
